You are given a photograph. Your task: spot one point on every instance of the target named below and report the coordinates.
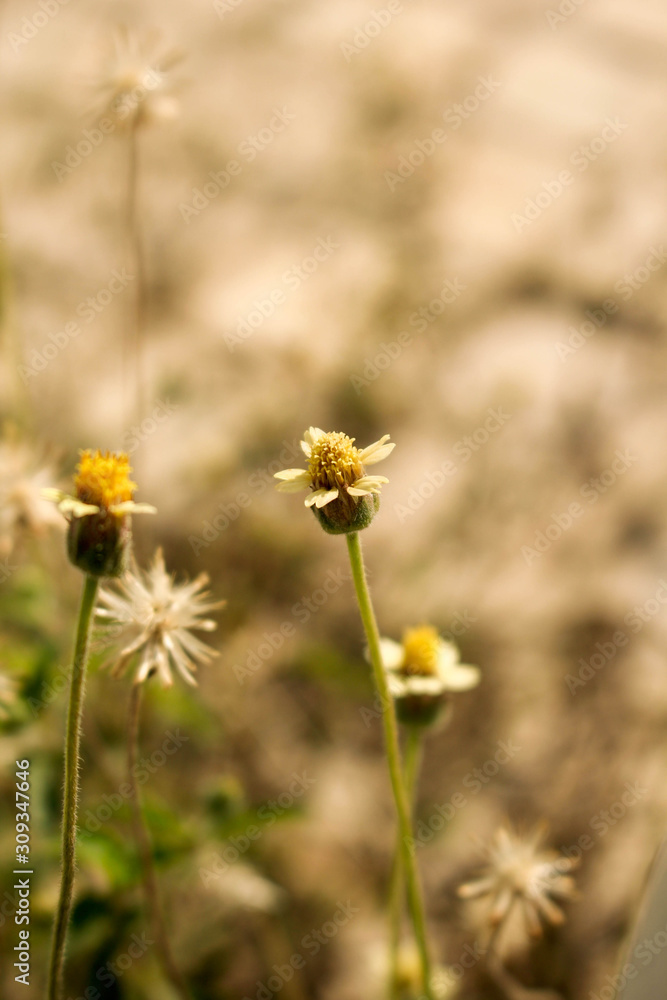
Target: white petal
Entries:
(377, 451)
(461, 677)
(448, 655)
(292, 480)
(70, 505)
(354, 492)
(326, 497)
(416, 684)
(312, 435)
(55, 496)
(130, 507)
(310, 500)
(370, 483)
(391, 653)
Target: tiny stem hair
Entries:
(412, 764)
(71, 787)
(142, 838)
(415, 901)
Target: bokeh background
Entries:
(500, 167)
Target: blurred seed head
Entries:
(133, 85)
(23, 510)
(152, 617)
(522, 877)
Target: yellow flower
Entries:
(421, 671)
(519, 874)
(425, 664)
(102, 485)
(99, 525)
(336, 476)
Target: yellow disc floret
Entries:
(420, 651)
(104, 479)
(334, 461)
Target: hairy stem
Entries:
(71, 788)
(412, 763)
(415, 902)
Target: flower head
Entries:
(23, 509)
(132, 90)
(421, 670)
(519, 874)
(99, 525)
(342, 496)
(152, 617)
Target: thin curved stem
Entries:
(411, 767)
(71, 787)
(415, 901)
(142, 837)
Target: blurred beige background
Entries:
(440, 221)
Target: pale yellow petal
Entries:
(326, 498)
(293, 480)
(377, 451)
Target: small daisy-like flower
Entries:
(342, 496)
(98, 513)
(133, 84)
(152, 617)
(520, 875)
(23, 509)
(421, 671)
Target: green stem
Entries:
(411, 767)
(71, 792)
(415, 901)
(142, 838)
